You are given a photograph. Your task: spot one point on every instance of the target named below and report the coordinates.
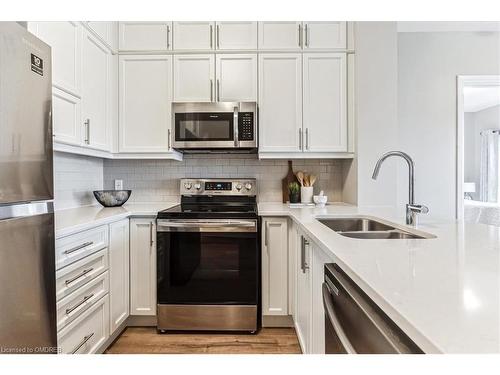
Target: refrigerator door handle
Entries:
(26, 209)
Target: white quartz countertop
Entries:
(74, 220)
(443, 292)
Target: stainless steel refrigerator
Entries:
(27, 265)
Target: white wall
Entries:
(428, 64)
(376, 112)
(75, 177)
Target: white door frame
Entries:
(462, 82)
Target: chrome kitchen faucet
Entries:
(412, 209)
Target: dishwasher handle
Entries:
(332, 316)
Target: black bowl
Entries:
(112, 198)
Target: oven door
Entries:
(201, 130)
(209, 262)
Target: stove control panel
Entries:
(222, 186)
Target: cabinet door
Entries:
(236, 78)
(275, 266)
(280, 35)
(280, 98)
(303, 295)
(119, 293)
(145, 96)
(325, 104)
(95, 92)
(319, 258)
(325, 34)
(194, 78)
(142, 267)
(194, 35)
(66, 117)
(65, 41)
(145, 36)
(236, 35)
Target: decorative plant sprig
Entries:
(294, 187)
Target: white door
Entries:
(325, 34)
(145, 36)
(280, 102)
(194, 78)
(145, 97)
(65, 41)
(66, 117)
(319, 258)
(304, 295)
(95, 67)
(233, 35)
(194, 35)
(119, 271)
(142, 267)
(275, 266)
(325, 102)
(276, 35)
(236, 77)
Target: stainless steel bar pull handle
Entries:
(307, 138)
(151, 234)
(73, 279)
(168, 36)
(300, 36)
(218, 90)
(217, 37)
(76, 248)
(211, 90)
(266, 235)
(306, 38)
(83, 342)
(87, 131)
(211, 36)
(169, 139)
(73, 308)
(300, 139)
(303, 264)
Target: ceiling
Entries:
(479, 98)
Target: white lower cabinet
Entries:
(88, 332)
(119, 273)
(303, 312)
(142, 266)
(274, 266)
(319, 258)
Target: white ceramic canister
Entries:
(306, 194)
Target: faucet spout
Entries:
(411, 208)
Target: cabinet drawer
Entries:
(77, 274)
(88, 332)
(77, 246)
(72, 306)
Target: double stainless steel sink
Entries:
(368, 228)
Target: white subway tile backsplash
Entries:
(158, 180)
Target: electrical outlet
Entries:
(118, 184)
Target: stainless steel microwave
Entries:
(215, 127)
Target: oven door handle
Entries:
(207, 226)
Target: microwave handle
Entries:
(235, 126)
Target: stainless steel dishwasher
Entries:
(355, 324)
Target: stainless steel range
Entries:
(208, 257)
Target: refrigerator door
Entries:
(25, 116)
(27, 279)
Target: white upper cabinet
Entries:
(325, 104)
(280, 102)
(95, 68)
(145, 95)
(276, 35)
(65, 41)
(194, 35)
(194, 78)
(145, 36)
(107, 31)
(66, 117)
(236, 77)
(325, 35)
(236, 35)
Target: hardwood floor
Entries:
(145, 340)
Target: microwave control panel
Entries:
(245, 126)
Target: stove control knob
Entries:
(197, 186)
(239, 187)
(188, 185)
(248, 186)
